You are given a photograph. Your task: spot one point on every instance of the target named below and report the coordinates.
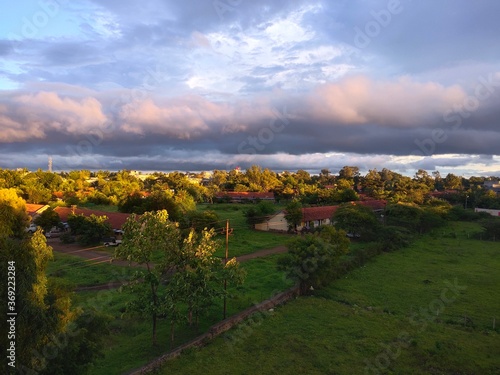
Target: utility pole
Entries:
(225, 262)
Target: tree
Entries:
(13, 216)
(259, 212)
(404, 215)
(452, 182)
(89, 229)
(357, 220)
(293, 214)
(199, 274)
(200, 220)
(311, 259)
(46, 325)
(144, 237)
(48, 219)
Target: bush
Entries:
(259, 213)
(201, 220)
(67, 238)
(393, 238)
(458, 213)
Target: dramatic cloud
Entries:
(286, 84)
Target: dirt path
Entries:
(93, 254)
(99, 256)
(262, 253)
(96, 256)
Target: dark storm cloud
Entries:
(198, 85)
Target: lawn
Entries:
(129, 345)
(243, 239)
(426, 309)
(75, 271)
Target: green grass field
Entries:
(129, 345)
(75, 271)
(426, 309)
(243, 239)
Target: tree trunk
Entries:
(154, 329)
(155, 304)
(172, 324)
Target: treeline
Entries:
(135, 194)
(322, 254)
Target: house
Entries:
(491, 212)
(276, 222)
(243, 196)
(115, 219)
(313, 217)
(492, 186)
(35, 209)
(377, 205)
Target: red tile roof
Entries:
(115, 219)
(373, 204)
(34, 209)
(244, 195)
(318, 213)
(326, 212)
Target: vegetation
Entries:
(357, 220)
(311, 259)
(48, 328)
(193, 276)
(181, 279)
(89, 230)
(48, 219)
(386, 317)
(259, 212)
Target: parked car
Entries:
(32, 228)
(118, 231)
(111, 241)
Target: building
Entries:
(35, 209)
(490, 211)
(313, 217)
(115, 219)
(492, 186)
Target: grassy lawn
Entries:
(129, 345)
(243, 239)
(426, 309)
(75, 271)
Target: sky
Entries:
(199, 85)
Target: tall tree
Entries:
(145, 236)
(357, 220)
(46, 325)
(311, 259)
(293, 214)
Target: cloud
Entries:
(359, 100)
(253, 81)
(33, 116)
